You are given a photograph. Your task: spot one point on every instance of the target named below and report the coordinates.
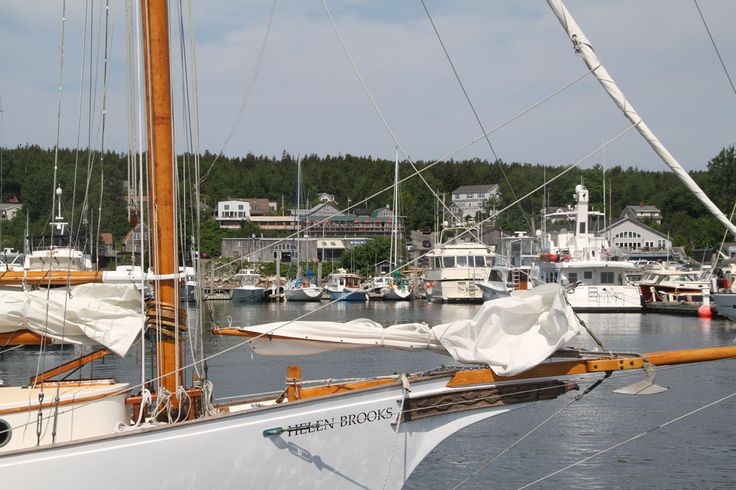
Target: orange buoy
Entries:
(704, 311)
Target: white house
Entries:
(325, 197)
(467, 200)
(8, 211)
(231, 213)
(634, 237)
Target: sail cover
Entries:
(510, 334)
(104, 314)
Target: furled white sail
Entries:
(514, 333)
(584, 48)
(510, 334)
(104, 314)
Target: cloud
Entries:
(307, 98)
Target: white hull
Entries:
(456, 291)
(304, 294)
(232, 451)
(396, 294)
(605, 298)
(493, 290)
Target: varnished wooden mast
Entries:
(161, 183)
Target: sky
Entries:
(308, 99)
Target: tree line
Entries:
(89, 178)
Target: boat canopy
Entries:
(96, 314)
(510, 334)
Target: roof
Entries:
(475, 188)
(637, 223)
(10, 206)
(645, 208)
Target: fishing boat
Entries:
(345, 286)
(364, 433)
(248, 290)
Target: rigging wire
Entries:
(498, 161)
(534, 429)
(715, 47)
(630, 439)
(79, 115)
(58, 114)
(447, 156)
(248, 92)
(108, 40)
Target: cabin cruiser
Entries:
(667, 285)
(456, 267)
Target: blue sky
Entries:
(307, 98)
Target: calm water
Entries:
(695, 452)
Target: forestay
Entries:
(510, 334)
(104, 314)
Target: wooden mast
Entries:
(161, 188)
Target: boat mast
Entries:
(168, 316)
(394, 253)
(585, 50)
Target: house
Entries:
(132, 241)
(643, 213)
(107, 246)
(260, 206)
(231, 214)
(637, 240)
(325, 197)
(8, 211)
(468, 200)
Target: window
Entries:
(607, 277)
(572, 277)
(480, 261)
(587, 274)
(462, 261)
(438, 262)
(448, 261)
(227, 206)
(240, 206)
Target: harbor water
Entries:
(672, 451)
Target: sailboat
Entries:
(366, 433)
(304, 286)
(393, 287)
